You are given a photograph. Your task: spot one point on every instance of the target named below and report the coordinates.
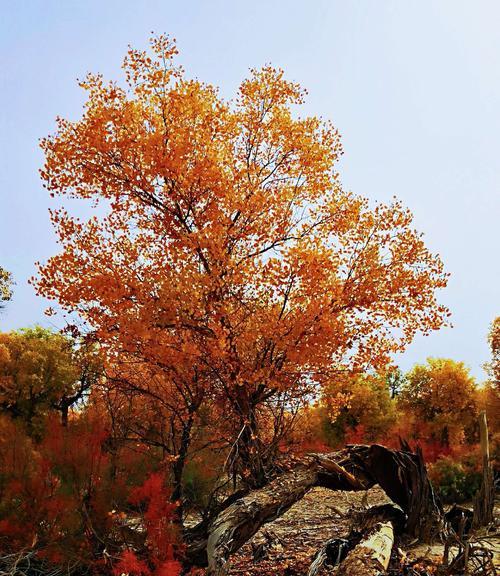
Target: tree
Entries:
(490, 392)
(442, 396)
(395, 381)
(493, 366)
(366, 408)
(5, 286)
(41, 370)
(227, 269)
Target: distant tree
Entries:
(365, 408)
(41, 370)
(490, 393)
(441, 395)
(493, 366)
(395, 380)
(5, 286)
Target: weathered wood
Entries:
(400, 473)
(485, 498)
(240, 521)
(332, 554)
(365, 524)
(403, 477)
(371, 556)
(331, 466)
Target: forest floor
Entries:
(286, 546)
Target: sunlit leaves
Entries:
(5, 286)
(226, 262)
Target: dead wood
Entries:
(332, 554)
(367, 523)
(371, 556)
(485, 498)
(240, 521)
(400, 473)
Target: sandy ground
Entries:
(286, 546)
(292, 540)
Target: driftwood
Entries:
(371, 556)
(400, 473)
(485, 498)
(362, 545)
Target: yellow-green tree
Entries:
(365, 407)
(5, 286)
(41, 370)
(441, 396)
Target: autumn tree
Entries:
(441, 397)
(490, 393)
(358, 405)
(227, 269)
(493, 366)
(41, 370)
(395, 380)
(5, 286)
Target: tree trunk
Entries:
(485, 498)
(240, 521)
(64, 415)
(178, 468)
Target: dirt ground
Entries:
(286, 546)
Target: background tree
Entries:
(441, 397)
(490, 393)
(395, 381)
(493, 366)
(41, 370)
(227, 267)
(5, 286)
(359, 407)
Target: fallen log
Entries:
(240, 521)
(367, 523)
(400, 473)
(332, 554)
(371, 556)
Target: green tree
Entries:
(5, 286)
(367, 408)
(41, 370)
(395, 380)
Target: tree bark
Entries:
(240, 521)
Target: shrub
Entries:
(456, 480)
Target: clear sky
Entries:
(412, 85)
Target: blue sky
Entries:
(412, 85)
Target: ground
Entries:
(286, 546)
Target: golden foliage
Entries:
(225, 256)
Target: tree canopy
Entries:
(228, 267)
(41, 370)
(5, 286)
(442, 395)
